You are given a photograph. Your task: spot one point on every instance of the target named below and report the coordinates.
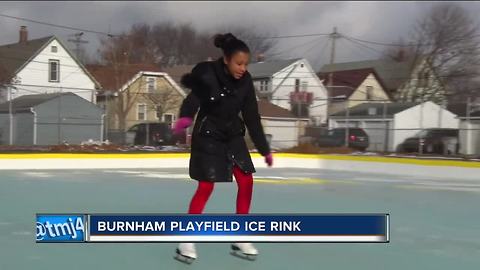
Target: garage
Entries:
(387, 129)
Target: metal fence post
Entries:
(467, 122)
(421, 141)
(384, 121)
(147, 131)
(10, 114)
(347, 124)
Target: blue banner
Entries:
(227, 228)
(60, 228)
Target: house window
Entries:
(53, 70)
(158, 112)
(369, 93)
(297, 85)
(264, 86)
(150, 84)
(54, 49)
(168, 117)
(304, 86)
(141, 112)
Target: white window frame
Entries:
(144, 113)
(154, 85)
(264, 85)
(54, 49)
(50, 61)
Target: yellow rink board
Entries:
(415, 161)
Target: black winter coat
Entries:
(218, 134)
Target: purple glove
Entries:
(181, 124)
(269, 160)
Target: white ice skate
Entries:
(186, 253)
(245, 251)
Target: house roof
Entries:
(267, 109)
(362, 110)
(346, 82)
(14, 56)
(25, 102)
(393, 74)
(176, 72)
(268, 68)
(107, 77)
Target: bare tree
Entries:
(401, 52)
(165, 100)
(447, 41)
(168, 44)
(259, 41)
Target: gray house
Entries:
(49, 119)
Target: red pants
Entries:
(244, 193)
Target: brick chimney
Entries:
(23, 35)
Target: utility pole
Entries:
(333, 36)
(77, 41)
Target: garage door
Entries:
(376, 132)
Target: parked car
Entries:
(159, 134)
(432, 140)
(357, 138)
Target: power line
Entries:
(56, 25)
(364, 46)
(401, 45)
(290, 36)
(294, 47)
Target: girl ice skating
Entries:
(222, 90)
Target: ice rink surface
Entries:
(435, 222)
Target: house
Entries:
(349, 88)
(136, 93)
(293, 85)
(389, 124)
(50, 119)
(469, 128)
(281, 125)
(406, 81)
(43, 65)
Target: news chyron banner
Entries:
(316, 228)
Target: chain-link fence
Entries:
(385, 126)
(373, 125)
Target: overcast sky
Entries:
(376, 21)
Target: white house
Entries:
(389, 124)
(43, 65)
(293, 85)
